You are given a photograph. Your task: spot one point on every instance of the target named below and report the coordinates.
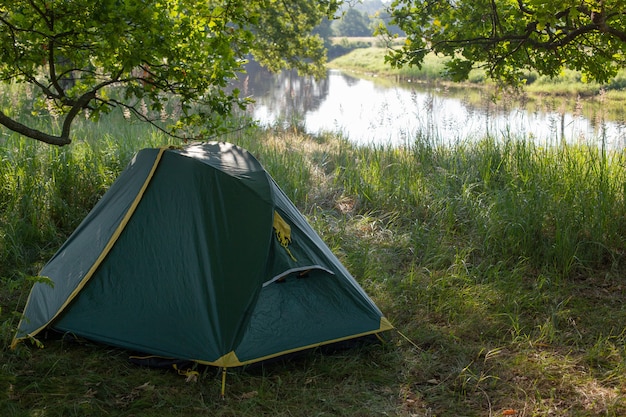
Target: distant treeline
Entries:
(355, 20)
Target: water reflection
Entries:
(370, 113)
(282, 98)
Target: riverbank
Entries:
(370, 62)
(502, 262)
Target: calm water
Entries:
(367, 112)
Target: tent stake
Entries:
(223, 383)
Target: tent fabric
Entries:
(196, 253)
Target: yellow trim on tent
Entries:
(283, 233)
(227, 361)
(16, 339)
(103, 254)
(385, 324)
(230, 360)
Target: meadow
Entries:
(501, 264)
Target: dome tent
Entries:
(195, 253)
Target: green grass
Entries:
(371, 61)
(501, 261)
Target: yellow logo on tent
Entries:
(283, 233)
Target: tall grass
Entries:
(501, 259)
(510, 200)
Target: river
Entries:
(368, 112)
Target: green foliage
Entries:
(509, 38)
(97, 55)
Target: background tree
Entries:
(104, 54)
(325, 31)
(508, 37)
(354, 23)
(367, 7)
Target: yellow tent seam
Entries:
(116, 234)
(230, 360)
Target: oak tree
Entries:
(98, 55)
(509, 37)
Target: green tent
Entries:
(195, 253)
